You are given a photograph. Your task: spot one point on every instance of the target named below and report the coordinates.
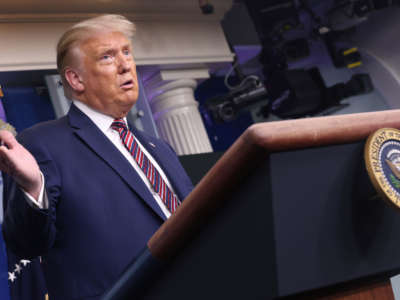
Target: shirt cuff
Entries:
(42, 202)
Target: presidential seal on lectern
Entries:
(382, 160)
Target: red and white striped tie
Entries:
(154, 177)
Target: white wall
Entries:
(31, 45)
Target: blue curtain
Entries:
(24, 107)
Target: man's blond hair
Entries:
(80, 32)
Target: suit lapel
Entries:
(92, 136)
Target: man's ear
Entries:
(74, 79)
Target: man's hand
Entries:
(20, 164)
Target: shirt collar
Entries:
(101, 120)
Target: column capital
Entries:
(164, 80)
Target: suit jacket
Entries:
(100, 213)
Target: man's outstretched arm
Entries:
(19, 163)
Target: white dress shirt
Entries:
(103, 122)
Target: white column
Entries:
(177, 116)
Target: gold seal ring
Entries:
(382, 160)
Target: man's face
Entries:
(108, 74)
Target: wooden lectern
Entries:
(287, 212)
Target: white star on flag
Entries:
(11, 276)
(25, 262)
(17, 268)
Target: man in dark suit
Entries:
(77, 193)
